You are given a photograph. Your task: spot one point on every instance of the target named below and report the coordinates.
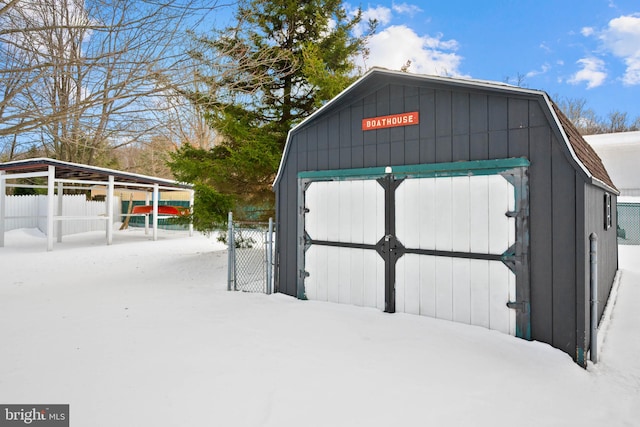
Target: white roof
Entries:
(614, 139)
(68, 170)
(620, 153)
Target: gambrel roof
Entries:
(583, 156)
(583, 150)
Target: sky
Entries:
(575, 49)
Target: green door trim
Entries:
(430, 170)
(516, 258)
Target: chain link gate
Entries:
(250, 252)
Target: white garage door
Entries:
(350, 214)
(465, 216)
(437, 242)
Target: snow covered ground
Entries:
(144, 333)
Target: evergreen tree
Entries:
(280, 61)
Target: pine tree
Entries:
(280, 61)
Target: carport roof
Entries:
(80, 172)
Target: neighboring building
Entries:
(464, 200)
(620, 153)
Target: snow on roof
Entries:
(628, 199)
(614, 139)
(620, 153)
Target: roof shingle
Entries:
(585, 153)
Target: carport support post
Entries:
(156, 193)
(191, 200)
(59, 211)
(110, 207)
(3, 204)
(51, 178)
(146, 217)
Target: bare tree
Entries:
(588, 123)
(185, 121)
(149, 158)
(518, 80)
(583, 118)
(83, 77)
(8, 5)
(618, 122)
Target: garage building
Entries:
(463, 200)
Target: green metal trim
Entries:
(338, 174)
(476, 167)
(515, 258)
(581, 357)
(430, 170)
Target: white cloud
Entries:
(543, 69)
(593, 73)
(587, 31)
(632, 75)
(406, 9)
(623, 35)
(381, 14)
(622, 38)
(394, 46)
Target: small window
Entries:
(607, 211)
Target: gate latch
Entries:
(522, 306)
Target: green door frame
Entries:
(516, 258)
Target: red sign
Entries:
(394, 120)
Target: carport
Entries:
(61, 176)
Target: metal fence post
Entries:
(230, 248)
(593, 244)
(269, 256)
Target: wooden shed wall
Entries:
(607, 247)
(458, 124)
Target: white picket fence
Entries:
(31, 212)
